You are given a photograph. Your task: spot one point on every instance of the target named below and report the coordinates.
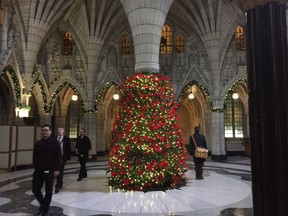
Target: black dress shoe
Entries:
(79, 179)
(199, 178)
(44, 211)
(57, 190)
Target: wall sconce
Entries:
(74, 97)
(116, 96)
(22, 112)
(17, 112)
(191, 96)
(235, 96)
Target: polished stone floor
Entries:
(225, 191)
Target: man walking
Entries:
(83, 147)
(46, 163)
(65, 145)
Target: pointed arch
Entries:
(62, 83)
(201, 88)
(7, 100)
(15, 83)
(193, 112)
(41, 92)
(232, 88)
(104, 90)
(66, 26)
(236, 111)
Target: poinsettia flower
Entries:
(114, 174)
(158, 149)
(148, 97)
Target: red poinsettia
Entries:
(146, 150)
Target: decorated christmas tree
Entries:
(147, 151)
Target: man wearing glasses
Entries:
(46, 163)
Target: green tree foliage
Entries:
(147, 151)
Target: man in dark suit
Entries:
(83, 150)
(46, 163)
(65, 145)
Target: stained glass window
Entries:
(68, 44)
(166, 40)
(180, 44)
(125, 45)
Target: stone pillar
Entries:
(267, 68)
(146, 19)
(217, 140)
(25, 98)
(90, 129)
(60, 121)
(45, 119)
(101, 136)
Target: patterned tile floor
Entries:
(225, 191)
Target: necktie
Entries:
(61, 143)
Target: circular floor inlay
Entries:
(93, 194)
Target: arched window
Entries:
(68, 44)
(125, 47)
(240, 38)
(180, 44)
(234, 116)
(166, 40)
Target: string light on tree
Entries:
(147, 152)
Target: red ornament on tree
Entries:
(147, 152)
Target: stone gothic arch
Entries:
(193, 112)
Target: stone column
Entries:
(45, 118)
(60, 121)
(146, 19)
(101, 136)
(267, 68)
(217, 140)
(90, 130)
